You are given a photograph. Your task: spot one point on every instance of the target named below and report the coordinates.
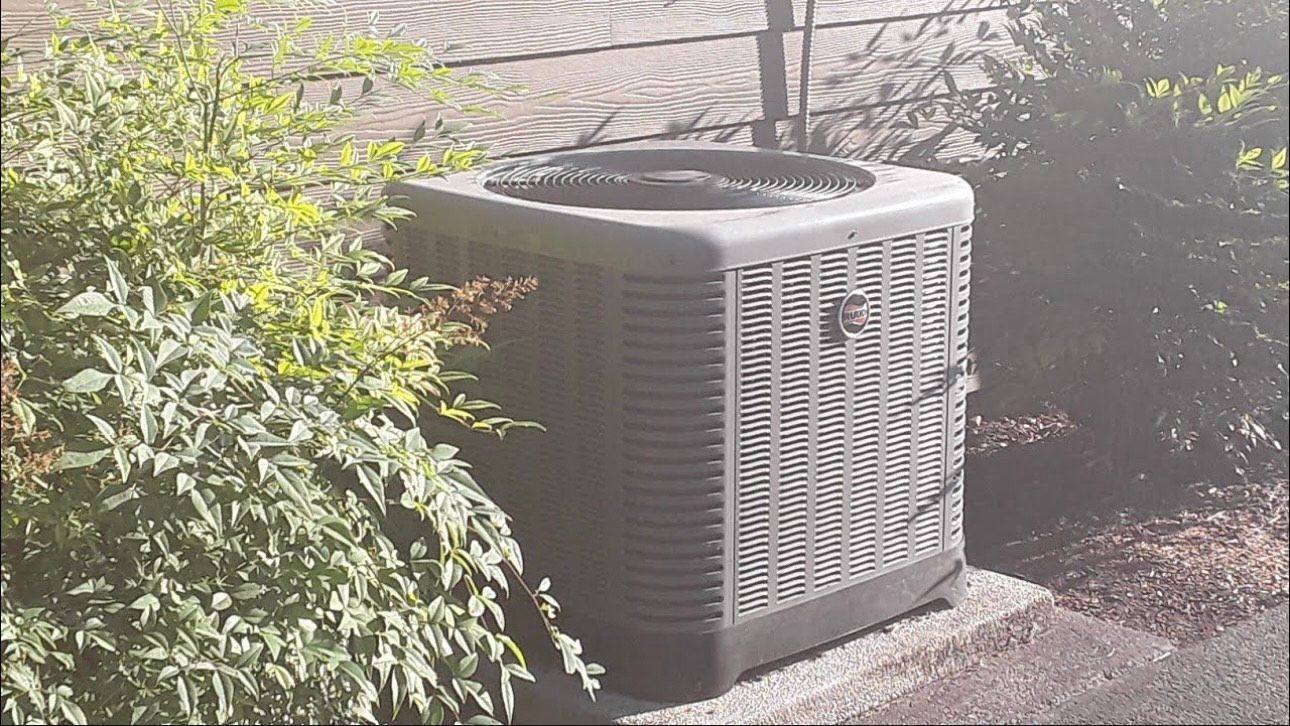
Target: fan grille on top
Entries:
(675, 179)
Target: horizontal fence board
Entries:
(604, 71)
(457, 29)
(637, 92)
(896, 133)
(850, 11)
(479, 29)
(482, 30)
(876, 133)
(612, 94)
(652, 21)
(869, 64)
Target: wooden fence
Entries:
(602, 71)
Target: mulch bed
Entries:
(987, 437)
(1182, 561)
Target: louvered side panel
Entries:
(868, 432)
(933, 345)
(902, 298)
(958, 394)
(512, 371)
(833, 406)
(673, 489)
(448, 261)
(546, 362)
(514, 345)
(797, 326)
(590, 449)
(752, 524)
(555, 457)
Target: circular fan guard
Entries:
(676, 179)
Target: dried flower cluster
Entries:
(24, 456)
(467, 309)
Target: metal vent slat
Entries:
(841, 460)
(752, 498)
(867, 464)
(797, 325)
(832, 432)
(934, 311)
(958, 413)
(673, 442)
(901, 361)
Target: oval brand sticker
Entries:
(853, 313)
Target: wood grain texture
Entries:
(481, 30)
(457, 29)
(612, 94)
(878, 133)
(912, 133)
(635, 70)
(646, 21)
(636, 92)
(869, 64)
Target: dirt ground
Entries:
(1183, 561)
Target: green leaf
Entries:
(80, 459)
(185, 694)
(87, 304)
(147, 425)
(114, 495)
(1250, 156)
(1203, 104)
(87, 381)
(71, 711)
(109, 354)
(276, 645)
(120, 290)
(147, 601)
(104, 428)
(385, 150)
(199, 503)
(359, 678)
(373, 484)
(168, 351)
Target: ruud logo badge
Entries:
(853, 314)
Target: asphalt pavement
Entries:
(1239, 677)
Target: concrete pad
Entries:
(836, 682)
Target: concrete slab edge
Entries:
(840, 681)
(934, 648)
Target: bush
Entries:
(1131, 263)
(218, 505)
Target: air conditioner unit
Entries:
(750, 365)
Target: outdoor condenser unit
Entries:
(750, 365)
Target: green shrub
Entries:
(1131, 256)
(217, 503)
